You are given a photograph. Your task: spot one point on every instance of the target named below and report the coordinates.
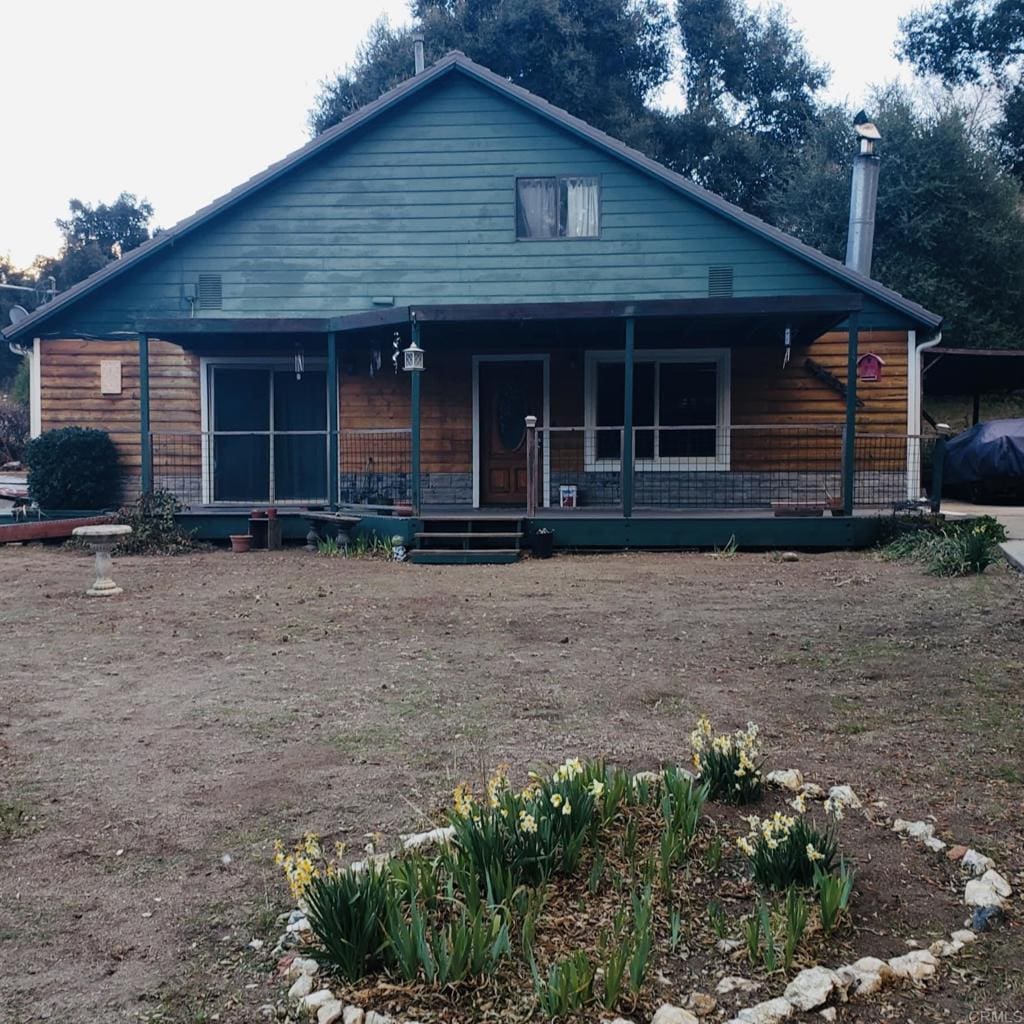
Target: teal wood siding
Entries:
(420, 206)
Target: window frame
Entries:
(719, 462)
(557, 237)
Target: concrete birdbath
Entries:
(102, 539)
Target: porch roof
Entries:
(807, 315)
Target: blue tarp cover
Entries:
(988, 452)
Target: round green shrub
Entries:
(73, 468)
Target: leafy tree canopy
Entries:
(949, 231)
(750, 90)
(599, 59)
(964, 42)
(95, 235)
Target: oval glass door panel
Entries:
(511, 415)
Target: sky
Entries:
(179, 102)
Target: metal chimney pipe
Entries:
(417, 47)
(863, 199)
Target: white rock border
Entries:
(813, 988)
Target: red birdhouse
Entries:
(869, 366)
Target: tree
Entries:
(949, 231)
(599, 59)
(95, 235)
(975, 42)
(751, 98)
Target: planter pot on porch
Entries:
(241, 542)
(543, 544)
(403, 510)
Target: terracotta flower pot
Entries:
(241, 542)
(403, 510)
(271, 513)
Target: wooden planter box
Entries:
(47, 529)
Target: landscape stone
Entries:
(979, 893)
(732, 983)
(942, 948)
(301, 988)
(964, 935)
(913, 829)
(432, 838)
(774, 1011)
(956, 852)
(377, 1018)
(311, 1003)
(669, 1014)
(1000, 884)
(977, 862)
(812, 791)
(916, 966)
(330, 1012)
(728, 945)
(788, 778)
(302, 965)
(813, 987)
(829, 1013)
(701, 1003)
(934, 844)
(352, 1015)
(844, 796)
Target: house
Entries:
(692, 370)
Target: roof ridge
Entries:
(456, 59)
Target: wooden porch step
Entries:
(468, 535)
(464, 556)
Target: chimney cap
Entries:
(866, 130)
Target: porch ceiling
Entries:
(744, 320)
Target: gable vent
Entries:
(719, 282)
(211, 294)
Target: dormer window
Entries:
(564, 207)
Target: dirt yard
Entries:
(225, 700)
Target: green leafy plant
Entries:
(717, 919)
(329, 547)
(784, 850)
(348, 912)
(834, 891)
(713, 854)
(796, 923)
(568, 985)
(682, 803)
(947, 548)
(73, 468)
(728, 764)
(155, 529)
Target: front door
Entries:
(509, 392)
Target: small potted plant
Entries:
(241, 542)
(543, 542)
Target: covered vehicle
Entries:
(986, 461)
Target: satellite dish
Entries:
(17, 314)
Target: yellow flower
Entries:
(746, 846)
(799, 803)
(597, 789)
(567, 808)
(813, 854)
(527, 822)
(497, 783)
(556, 799)
(463, 800)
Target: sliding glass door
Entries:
(268, 438)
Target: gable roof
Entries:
(459, 63)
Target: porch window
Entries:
(680, 410)
(562, 207)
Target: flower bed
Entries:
(587, 892)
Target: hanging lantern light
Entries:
(300, 362)
(413, 358)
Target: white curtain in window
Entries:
(538, 208)
(581, 217)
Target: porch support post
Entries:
(415, 427)
(850, 433)
(332, 420)
(627, 421)
(145, 440)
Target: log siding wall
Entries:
(761, 393)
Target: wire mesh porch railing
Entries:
(728, 467)
(282, 467)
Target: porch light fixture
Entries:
(413, 358)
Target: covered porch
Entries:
(656, 410)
